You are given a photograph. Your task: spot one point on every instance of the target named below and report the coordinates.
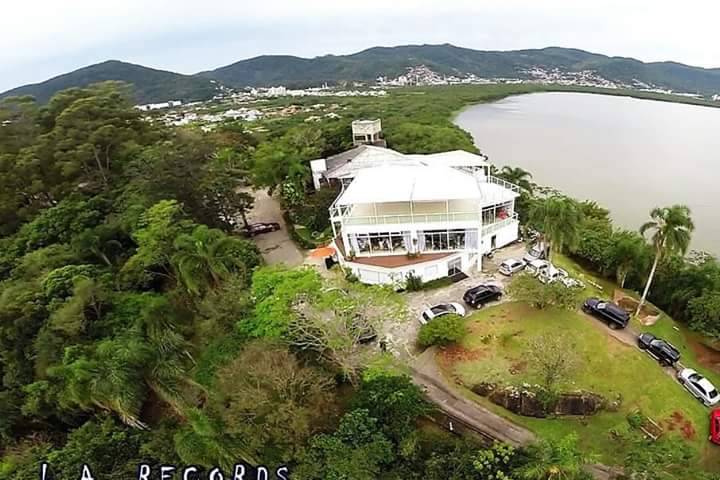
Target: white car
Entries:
(552, 274)
(536, 267)
(537, 252)
(510, 266)
(699, 386)
(570, 282)
(440, 310)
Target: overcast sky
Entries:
(44, 38)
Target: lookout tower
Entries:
(367, 132)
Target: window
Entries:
(384, 243)
(444, 240)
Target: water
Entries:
(628, 155)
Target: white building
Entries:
(430, 215)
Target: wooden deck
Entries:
(391, 261)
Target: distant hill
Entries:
(149, 85)
(451, 60)
(268, 70)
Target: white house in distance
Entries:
(430, 215)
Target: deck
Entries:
(391, 261)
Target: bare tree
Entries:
(339, 324)
(553, 357)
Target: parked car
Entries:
(440, 310)
(570, 282)
(510, 266)
(715, 426)
(612, 314)
(662, 351)
(478, 296)
(699, 386)
(261, 227)
(536, 267)
(536, 252)
(552, 274)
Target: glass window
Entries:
(382, 243)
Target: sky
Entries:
(44, 38)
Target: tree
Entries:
(553, 357)
(357, 450)
(336, 324)
(525, 288)
(204, 258)
(665, 459)
(443, 330)
(555, 460)
(705, 313)
(518, 176)
(626, 253)
(559, 218)
(267, 398)
(394, 401)
(672, 228)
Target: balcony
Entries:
(494, 227)
(398, 213)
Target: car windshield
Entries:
(426, 316)
(713, 393)
(438, 309)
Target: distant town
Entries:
(247, 104)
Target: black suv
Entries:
(478, 296)
(608, 312)
(662, 351)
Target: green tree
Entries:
(518, 176)
(626, 254)
(444, 330)
(204, 258)
(357, 450)
(553, 357)
(525, 288)
(560, 219)
(394, 401)
(671, 229)
(555, 460)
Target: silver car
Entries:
(510, 266)
(699, 386)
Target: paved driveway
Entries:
(276, 247)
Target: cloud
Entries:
(47, 37)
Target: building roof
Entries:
(348, 164)
(417, 183)
(454, 158)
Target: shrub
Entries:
(413, 283)
(442, 331)
(542, 295)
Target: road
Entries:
(276, 247)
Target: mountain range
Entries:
(152, 85)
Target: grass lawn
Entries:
(495, 350)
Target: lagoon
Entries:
(627, 154)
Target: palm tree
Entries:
(559, 218)
(518, 176)
(672, 229)
(204, 257)
(554, 460)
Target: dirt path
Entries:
(276, 247)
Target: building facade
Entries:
(430, 216)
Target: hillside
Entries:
(156, 85)
(448, 59)
(149, 85)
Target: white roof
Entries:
(393, 183)
(455, 158)
(372, 157)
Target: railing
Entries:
(494, 227)
(411, 218)
(502, 183)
